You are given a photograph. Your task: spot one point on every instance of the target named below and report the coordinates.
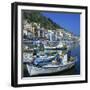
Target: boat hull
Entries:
(34, 70)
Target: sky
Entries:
(69, 21)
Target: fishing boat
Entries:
(50, 65)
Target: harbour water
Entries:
(73, 71)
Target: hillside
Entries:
(36, 16)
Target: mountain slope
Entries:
(36, 16)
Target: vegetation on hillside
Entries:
(38, 17)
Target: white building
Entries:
(60, 32)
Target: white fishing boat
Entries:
(55, 45)
(50, 67)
